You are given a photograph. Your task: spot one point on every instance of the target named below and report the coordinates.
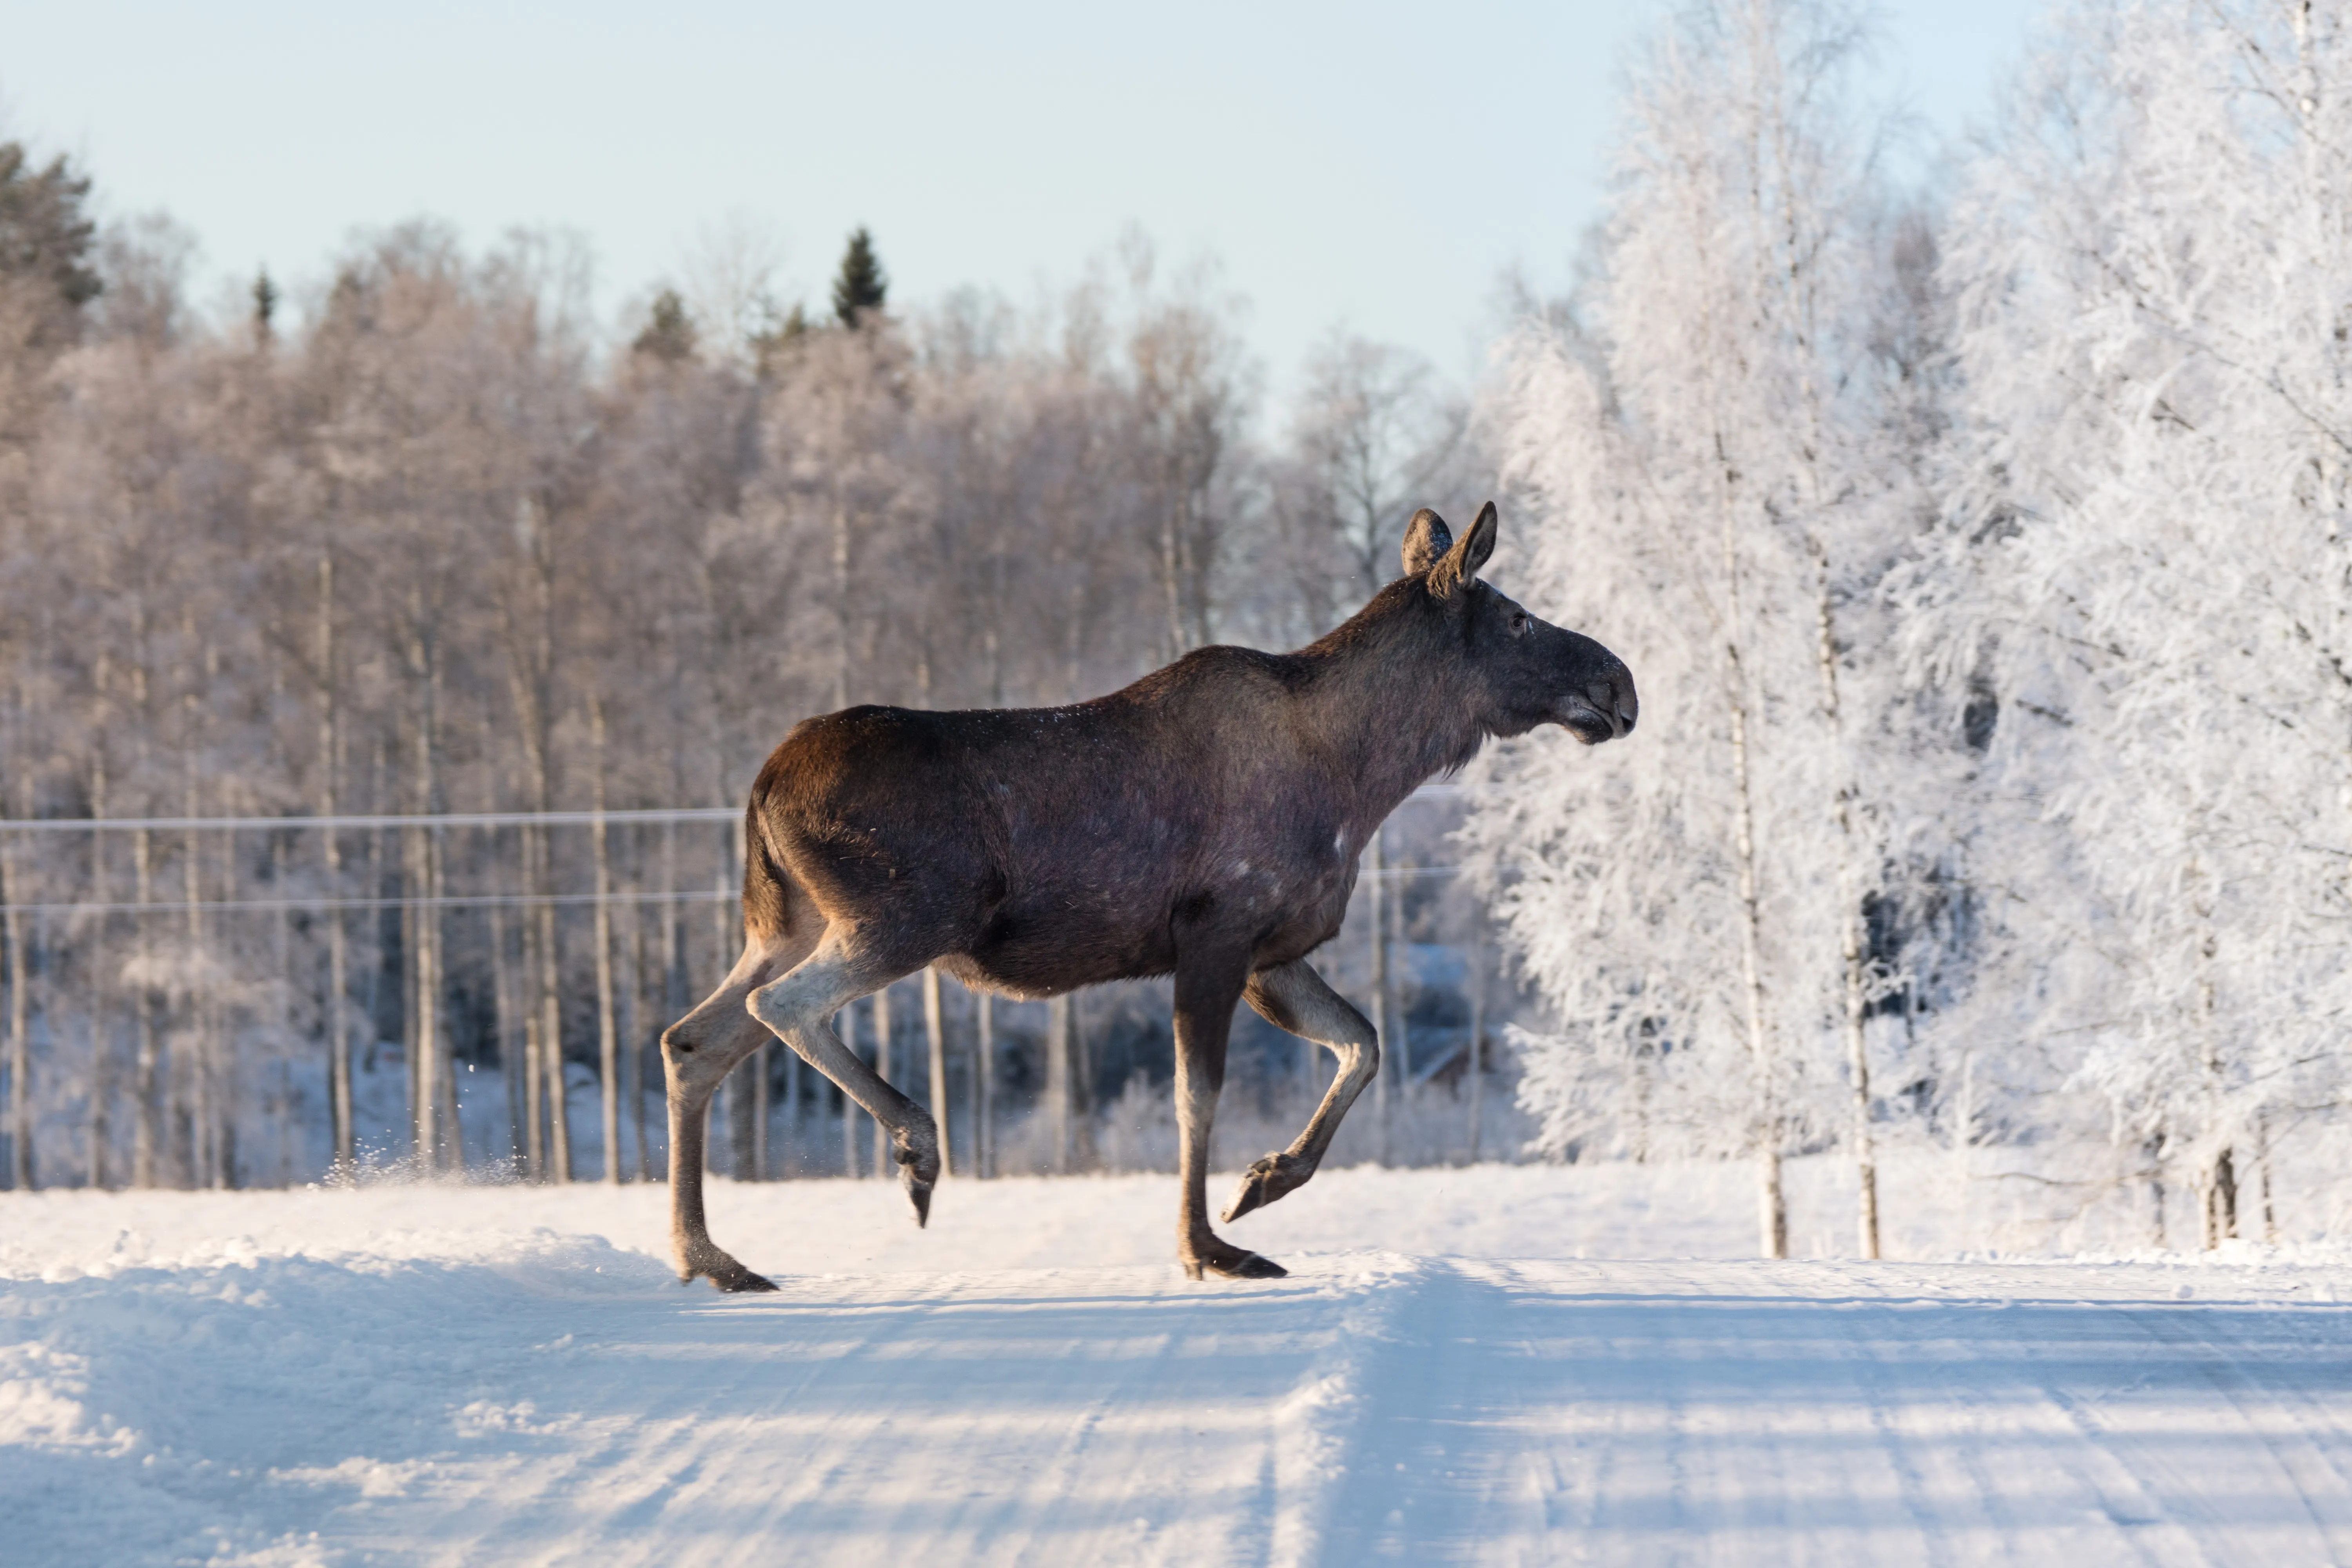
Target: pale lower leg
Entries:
(698, 1053)
(1293, 996)
(800, 1007)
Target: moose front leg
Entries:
(1205, 993)
(1293, 996)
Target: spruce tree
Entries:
(265, 305)
(861, 284)
(669, 336)
(46, 238)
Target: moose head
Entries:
(1515, 671)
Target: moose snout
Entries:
(1615, 698)
(1610, 706)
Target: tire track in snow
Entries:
(2215, 1342)
(1116, 1416)
(1759, 1414)
(1320, 1428)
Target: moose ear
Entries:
(1459, 568)
(1426, 541)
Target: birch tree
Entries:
(1702, 442)
(2147, 565)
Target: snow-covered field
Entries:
(1458, 1370)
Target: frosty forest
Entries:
(383, 662)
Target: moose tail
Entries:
(767, 911)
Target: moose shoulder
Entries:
(1205, 823)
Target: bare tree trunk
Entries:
(1393, 1003)
(20, 1046)
(14, 889)
(514, 1056)
(844, 1023)
(424, 661)
(550, 1024)
(425, 990)
(534, 1051)
(1376, 894)
(882, 1162)
(204, 1156)
(2220, 1194)
(149, 1069)
(453, 1144)
(2262, 1173)
(673, 949)
(934, 1027)
(795, 1115)
(2218, 1184)
(101, 1075)
(841, 647)
(1083, 1156)
(1475, 1074)
(1850, 932)
(289, 1127)
(608, 1063)
(1772, 1207)
(984, 1110)
(147, 1134)
(338, 1041)
(1057, 1078)
(633, 1037)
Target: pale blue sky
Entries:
(1375, 165)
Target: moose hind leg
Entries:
(1293, 996)
(1205, 994)
(697, 1052)
(799, 1008)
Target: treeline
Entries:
(1983, 553)
(440, 542)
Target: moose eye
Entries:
(1519, 622)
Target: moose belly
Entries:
(1058, 939)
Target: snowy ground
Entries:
(469, 1376)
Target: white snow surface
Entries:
(434, 1374)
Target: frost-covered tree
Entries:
(1705, 436)
(2147, 569)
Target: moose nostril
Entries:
(1624, 707)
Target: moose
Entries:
(1203, 823)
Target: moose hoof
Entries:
(724, 1272)
(1274, 1176)
(918, 1172)
(741, 1278)
(1233, 1263)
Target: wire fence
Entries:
(215, 1001)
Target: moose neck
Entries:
(1390, 708)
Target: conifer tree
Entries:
(861, 284)
(265, 305)
(46, 243)
(669, 335)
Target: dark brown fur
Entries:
(1205, 823)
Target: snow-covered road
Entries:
(469, 1376)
